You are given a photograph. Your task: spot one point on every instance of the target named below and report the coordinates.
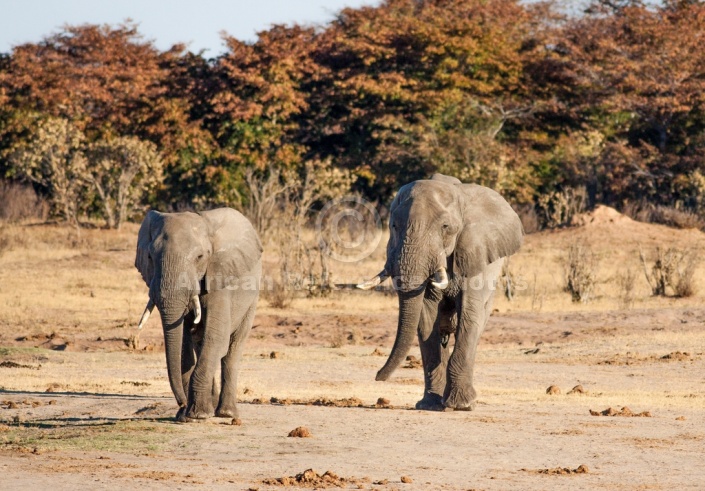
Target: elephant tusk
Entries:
(440, 279)
(148, 310)
(371, 283)
(196, 309)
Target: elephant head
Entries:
(180, 257)
(441, 232)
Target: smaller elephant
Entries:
(446, 247)
(203, 271)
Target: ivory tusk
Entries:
(371, 283)
(148, 310)
(196, 309)
(440, 279)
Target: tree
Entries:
(122, 172)
(53, 158)
(393, 74)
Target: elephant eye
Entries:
(200, 256)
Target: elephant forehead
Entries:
(184, 228)
(429, 196)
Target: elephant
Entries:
(446, 248)
(203, 271)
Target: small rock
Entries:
(382, 402)
(553, 390)
(236, 422)
(300, 432)
(680, 418)
(275, 354)
(578, 389)
(406, 480)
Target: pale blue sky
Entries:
(198, 22)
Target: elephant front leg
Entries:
(474, 311)
(433, 355)
(227, 406)
(213, 347)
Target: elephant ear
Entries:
(492, 230)
(150, 225)
(236, 247)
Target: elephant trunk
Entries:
(173, 324)
(410, 306)
(173, 293)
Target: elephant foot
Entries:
(181, 415)
(430, 402)
(461, 399)
(227, 412)
(196, 411)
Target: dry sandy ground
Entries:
(106, 421)
(84, 402)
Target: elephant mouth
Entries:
(195, 302)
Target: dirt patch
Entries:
(155, 409)
(560, 471)
(677, 356)
(378, 352)
(12, 364)
(167, 476)
(624, 412)
(311, 479)
(300, 432)
(136, 384)
(26, 403)
(320, 401)
(406, 480)
(635, 358)
(413, 362)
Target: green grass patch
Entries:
(126, 436)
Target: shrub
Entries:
(626, 281)
(19, 202)
(558, 209)
(672, 269)
(580, 270)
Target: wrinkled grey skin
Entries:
(216, 255)
(469, 230)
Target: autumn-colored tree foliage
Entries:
(402, 81)
(106, 81)
(608, 103)
(629, 82)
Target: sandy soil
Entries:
(84, 400)
(518, 438)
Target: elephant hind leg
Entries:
(227, 406)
